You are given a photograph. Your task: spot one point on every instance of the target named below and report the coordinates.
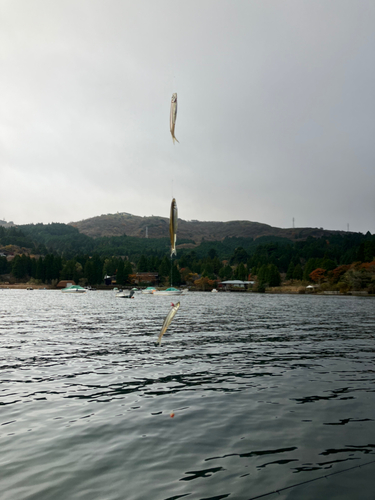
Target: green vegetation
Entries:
(51, 252)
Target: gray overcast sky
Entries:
(276, 110)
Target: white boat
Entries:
(74, 289)
(214, 290)
(125, 295)
(169, 291)
(149, 289)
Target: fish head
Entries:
(174, 97)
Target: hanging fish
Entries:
(168, 320)
(173, 227)
(172, 120)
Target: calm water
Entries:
(267, 391)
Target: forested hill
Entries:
(197, 231)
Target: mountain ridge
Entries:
(158, 227)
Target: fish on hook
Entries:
(173, 116)
(168, 320)
(173, 226)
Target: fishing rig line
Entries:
(309, 481)
(171, 270)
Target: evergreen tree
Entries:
(67, 271)
(274, 278)
(128, 269)
(310, 265)
(40, 270)
(241, 272)
(77, 272)
(4, 267)
(97, 264)
(239, 255)
(226, 272)
(49, 267)
(217, 264)
(120, 275)
(290, 271)
(208, 270)
(176, 276)
(297, 272)
(142, 264)
(165, 267)
(212, 253)
(18, 267)
(89, 272)
(262, 274)
(57, 266)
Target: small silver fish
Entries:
(173, 226)
(173, 116)
(168, 320)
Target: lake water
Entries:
(268, 391)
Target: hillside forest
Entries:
(48, 253)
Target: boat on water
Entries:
(169, 291)
(74, 289)
(214, 290)
(124, 294)
(149, 289)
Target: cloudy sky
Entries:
(276, 110)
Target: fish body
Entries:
(173, 116)
(168, 320)
(173, 226)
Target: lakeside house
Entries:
(65, 283)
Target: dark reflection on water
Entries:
(267, 392)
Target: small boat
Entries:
(168, 291)
(149, 289)
(214, 290)
(74, 289)
(125, 295)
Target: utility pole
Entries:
(293, 222)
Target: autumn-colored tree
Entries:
(204, 283)
(336, 273)
(369, 266)
(317, 275)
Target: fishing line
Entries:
(309, 481)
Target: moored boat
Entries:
(169, 291)
(74, 289)
(125, 295)
(149, 289)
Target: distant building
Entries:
(108, 280)
(65, 283)
(152, 278)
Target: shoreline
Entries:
(288, 290)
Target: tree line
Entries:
(269, 260)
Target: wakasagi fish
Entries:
(173, 227)
(168, 320)
(173, 116)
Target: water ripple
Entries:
(260, 387)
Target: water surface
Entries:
(268, 391)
